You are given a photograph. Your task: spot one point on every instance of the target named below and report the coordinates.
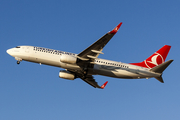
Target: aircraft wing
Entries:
(91, 81)
(93, 51)
(88, 79)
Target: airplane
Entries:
(86, 64)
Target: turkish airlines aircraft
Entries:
(86, 64)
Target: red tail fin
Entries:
(156, 59)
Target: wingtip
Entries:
(104, 85)
(114, 31)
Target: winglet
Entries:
(114, 31)
(104, 85)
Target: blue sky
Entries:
(31, 91)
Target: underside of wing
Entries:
(91, 81)
(93, 51)
(88, 79)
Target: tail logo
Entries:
(155, 60)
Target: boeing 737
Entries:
(86, 64)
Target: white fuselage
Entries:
(100, 66)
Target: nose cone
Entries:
(9, 51)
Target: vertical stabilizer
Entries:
(155, 59)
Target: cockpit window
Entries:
(18, 47)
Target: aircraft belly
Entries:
(123, 72)
(52, 62)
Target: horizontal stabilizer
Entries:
(160, 68)
(160, 79)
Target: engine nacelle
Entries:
(68, 59)
(66, 75)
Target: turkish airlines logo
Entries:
(116, 29)
(102, 86)
(155, 60)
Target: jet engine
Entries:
(68, 59)
(66, 75)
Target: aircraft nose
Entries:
(9, 51)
